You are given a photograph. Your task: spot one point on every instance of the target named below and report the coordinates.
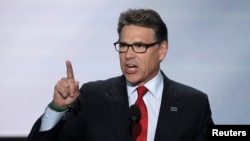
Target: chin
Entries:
(131, 79)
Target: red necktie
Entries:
(141, 128)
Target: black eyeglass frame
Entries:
(131, 45)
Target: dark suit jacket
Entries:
(101, 114)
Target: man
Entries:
(99, 111)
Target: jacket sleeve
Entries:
(50, 135)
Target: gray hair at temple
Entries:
(144, 18)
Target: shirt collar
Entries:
(151, 85)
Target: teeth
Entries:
(131, 65)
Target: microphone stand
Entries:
(133, 131)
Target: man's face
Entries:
(139, 68)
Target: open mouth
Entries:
(130, 68)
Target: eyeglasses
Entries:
(136, 47)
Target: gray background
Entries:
(208, 50)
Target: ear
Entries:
(163, 50)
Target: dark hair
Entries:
(145, 18)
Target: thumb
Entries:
(76, 85)
(76, 91)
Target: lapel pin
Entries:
(173, 109)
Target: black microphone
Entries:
(134, 117)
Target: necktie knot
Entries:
(141, 90)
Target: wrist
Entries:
(54, 107)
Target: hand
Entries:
(67, 89)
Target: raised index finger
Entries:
(70, 73)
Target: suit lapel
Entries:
(117, 102)
(170, 112)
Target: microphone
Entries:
(134, 117)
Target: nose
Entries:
(130, 53)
